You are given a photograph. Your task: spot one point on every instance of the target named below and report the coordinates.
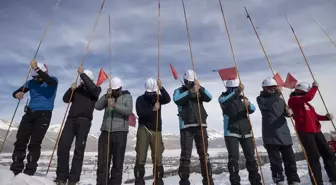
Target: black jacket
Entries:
(236, 123)
(144, 108)
(83, 99)
(275, 130)
(188, 106)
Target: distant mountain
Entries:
(171, 140)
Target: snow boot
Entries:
(204, 174)
(205, 181)
(159, 175)
(59, 182)
(139, 173)
(184, 173)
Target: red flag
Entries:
(279, 80)
(101, 77)
(132, 120)
(290, 81)
(175, 75)
(228, 73)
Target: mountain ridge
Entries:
(171, 140)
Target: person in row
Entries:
(78, 124)
(237, 129)
(117, 104)
(36, 119)
(192, 123)
(307, 124)
(276, 134)
(235, 107)
(147, 106)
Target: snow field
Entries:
(7, 177)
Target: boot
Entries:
(139, 173)
(204, 174)
(159, 175)
(59, 182)
(281, 183)
(184, 173)
(71, 183)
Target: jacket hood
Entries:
(265, 94)
(125, 92)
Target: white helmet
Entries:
(151, 85)
(269, 82)
(303, 86)
(116, 83)
(189, 75)
(89, 74)
(42, 67)
(232, 83)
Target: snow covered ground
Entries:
(7, 177)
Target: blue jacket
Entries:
(42, 95)
(236, 123)
(187, 104)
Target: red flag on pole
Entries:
(290, 81)
(175, 75)
(279, 80)
(228, 73)
(101, 77)
(132, 120)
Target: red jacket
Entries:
(306, 119)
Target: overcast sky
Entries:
(135, 50)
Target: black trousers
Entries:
(74, 127)
(316, 146)
(188, 135)
(278, 154)
(232, 145)
(117, 148)
(32, 129)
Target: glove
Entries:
(289, 112)
(330, 116)
(19, 95)
(109, 92)
(159, 83)
(246, 102)
(156, 106)
(315, 84)
(80, 70)
(73, 86)
(197, 86)
(110, 103)
(33, 64)
(241, 87)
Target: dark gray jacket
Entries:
(275, 130)
(116, 120)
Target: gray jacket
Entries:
(117, 119)
(275, 130)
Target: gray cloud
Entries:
(134, 39)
